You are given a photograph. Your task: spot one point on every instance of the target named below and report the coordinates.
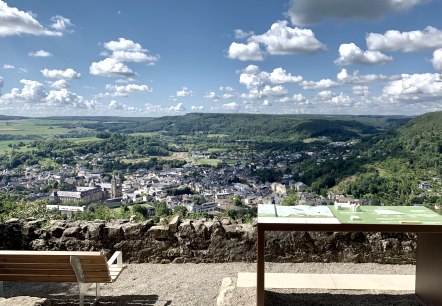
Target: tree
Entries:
(161, 209)
(138, 209)
(199, 199)
(291, 199)
(236, 200)
(180, 210)
(231, 213)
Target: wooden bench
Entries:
(84, 268)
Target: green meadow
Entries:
(32, 127)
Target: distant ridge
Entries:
(6, 117)
(98, 118)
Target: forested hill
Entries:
(423, 135)
(419, 142)
(272, 126)
(399, 161)
(4, 117)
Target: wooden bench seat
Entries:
(84, 268)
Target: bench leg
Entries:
(83, 289)
(97, 294)
(2, 292)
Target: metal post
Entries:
(260, 267)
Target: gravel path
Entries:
(200, 284)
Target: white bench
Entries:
(84, 268)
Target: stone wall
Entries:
(205, 241)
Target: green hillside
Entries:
(398, 162)
(274, 127)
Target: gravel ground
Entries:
(200, 284)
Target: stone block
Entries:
(174, 223)
(159, 232)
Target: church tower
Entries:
(115, 188)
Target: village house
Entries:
(279, 188)
(86, 194)
(300, 186)
(425, 185)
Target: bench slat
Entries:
(114, 275)
(104, 278)
(49, 271)
(55, 266)
(51, 259)
(19, 271)
(50, 253)
(8, 265)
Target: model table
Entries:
(348, 218)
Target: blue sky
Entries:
(171, 57)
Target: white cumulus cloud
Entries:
(231, 106)
(177, 108)
(16, 22)
(63, 97)
(240, 34)
(260, 84)
(115, 105)
(123, 44)
(60, 74)
(342, 100)
(110, 67)
(228, 92)
(245, 52)
(40, 53)
(351, 54)
(428, 39)
(134, 56)
(437, 59)
(123, 50)
(326, 94)
(356, 78)
(280, 76)
(211, 95)
(274, 91)
(299, 98)
(322, 84)
(7, 66)
(303, 12)
(280, 39)
(60, 84)
(266, 103)
(184, 92)
(360, 90)
(415, 86)
(61, 23)
(197, 107)
(125, 90)
(34, 93)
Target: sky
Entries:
(172, 57)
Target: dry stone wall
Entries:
(183, 241)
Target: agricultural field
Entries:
(209, 162)
(82, 140)
(218, 150)
(16, 145)
(39, 127)
(217, 135)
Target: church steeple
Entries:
(115, 187)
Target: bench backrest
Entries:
(52, 266)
